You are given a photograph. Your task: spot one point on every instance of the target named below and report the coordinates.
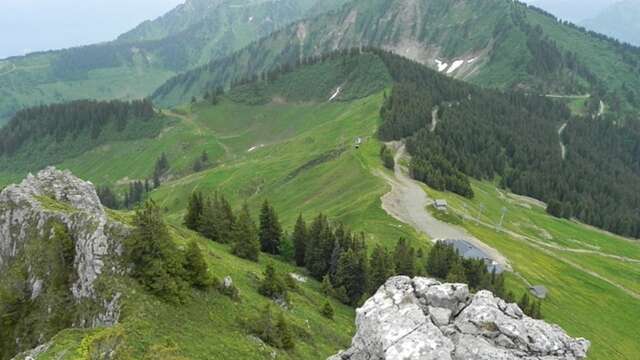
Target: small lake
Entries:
(469, 251)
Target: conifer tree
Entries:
(195, 266)
(194, 211)
(270, 230)
(456, 273)
(157, 262)
(404, 257)
(315, 259)
(300, 241)
(245, 236)
(327, 310)
(227, 219)
(380, 268)
(272, 285)
(351, 275)
(283, 333)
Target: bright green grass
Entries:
(580, 300)
(208, 325)
(291, 170)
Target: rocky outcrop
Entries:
(27, 211)
(423, 319)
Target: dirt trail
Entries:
(434, 119)
(563, 147)
(407, 202)
(197, 128)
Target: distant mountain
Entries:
(620, 20)
(493, 43)
(139, 61)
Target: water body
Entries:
(469, 251)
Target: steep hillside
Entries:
(49, 134)
(141, 60)
(295, 145)
(66, 290)
(495, 43)
(620, 20)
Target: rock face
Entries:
(423, 319)
(27, 210)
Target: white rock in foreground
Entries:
(423, 319)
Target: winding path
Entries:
(407, 202)
(563, 147)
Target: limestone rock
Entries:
(421, 319)
(26, 211)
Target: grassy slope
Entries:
(583, 304)
(208, 325)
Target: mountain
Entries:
(408, 318)
(491, 43)
(140, 60)
(620, 20)
(317, 149)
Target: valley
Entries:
(293, 165)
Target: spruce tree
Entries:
(226, 219)
(272, 285)
(404, 257)
(327, 310)
(195, 266)
(157, 263)
(380, 268)
(456, 273)
(300, 241)
(194, 211)
(270, 230)
(351, 275)
(245, 237)
(315, 259)
(283, 333)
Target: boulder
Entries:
(421, 319)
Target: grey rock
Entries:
(26, 211)
(417, 319)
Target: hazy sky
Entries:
(30, 25)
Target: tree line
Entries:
(68, 120)
(488, 134)
(331, 253)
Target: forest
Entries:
(513, 137)
(68, 120)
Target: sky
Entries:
(35, 25)
(573, 10)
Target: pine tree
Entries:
(195, 266)
(246, 244)
(523, 304)
(194, 211)
(300, 241)
(283, 333)
(456, 273)
(156, 261)
(404, 257)
(270, 230)
(209, 221)
(380, 268)
(227, 219)
(327, 286)
(272, 285)
(351, 275)
(161, 168)
(327, 310)
(315, 259)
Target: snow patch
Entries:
(441, 65)
(456, 64)
(251, 19)
(472, 60)
(256, 147)
(335, 94)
